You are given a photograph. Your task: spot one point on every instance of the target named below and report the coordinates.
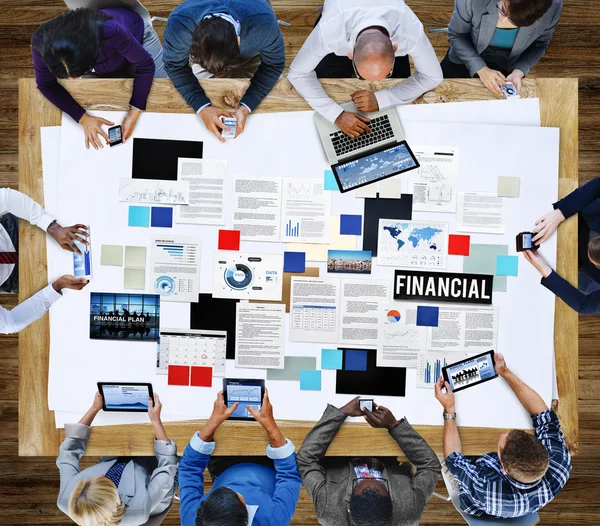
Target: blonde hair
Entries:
(96, 502)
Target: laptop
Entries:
(373, 156)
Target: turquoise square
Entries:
(331, 358)
(310, 380)
(329, 181)
(139, 216)
(507, 265)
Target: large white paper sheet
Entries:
(76, 362)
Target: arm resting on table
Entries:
(578, 301)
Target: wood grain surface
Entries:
(354, 439)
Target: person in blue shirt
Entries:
(527, 471)
(217, 38)
(585, 202)
(243, 493)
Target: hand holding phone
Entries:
(366, 404)
(115, 135)
(231, 123)
(525, 241)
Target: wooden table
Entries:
(38, 435)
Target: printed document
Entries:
(361, 301)
(259, 335)
(257, 208)
(400, 341)
(431, 363)
(206, 178)
(465, 328)
(154, 191)
(192, 347)
(480, 212)
(314, 310)
(176, 267)
(434, 184)
(305, 211)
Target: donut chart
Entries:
(238, 276)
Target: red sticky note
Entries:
(229, 239)
(202, 376)
(459, 245)
(179, 375)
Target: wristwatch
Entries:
(449, 416)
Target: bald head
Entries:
(373, 54)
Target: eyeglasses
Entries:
(388, 76)
(503, 12)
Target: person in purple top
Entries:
(112, 42)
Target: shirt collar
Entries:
(251, 513)
(369, 22)
(229, 19)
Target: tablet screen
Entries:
(245, 393)
(470, 372)
(123, 397)
(375, 166)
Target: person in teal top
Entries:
(499, 41)
(504, 38)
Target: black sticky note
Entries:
(381, 381)
(376, 209)
(215, 314)
(157, 158)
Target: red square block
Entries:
(179, 375)
(229, 239)
(202, 376)
(459, 245)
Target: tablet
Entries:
(471, 371)
(373, 166)
(246, 393)
(131, 397)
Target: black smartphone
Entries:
(115, 135)
(525, 241)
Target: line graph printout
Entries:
(305, 211)
(434, 184)
(400, 341)
(192, 347)
(412, 244)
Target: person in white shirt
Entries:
(369, 39)
(19, 205)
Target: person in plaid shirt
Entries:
(527, 471)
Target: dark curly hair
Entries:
(523, 13)
(69, 44)
(370, 508)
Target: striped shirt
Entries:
(485, 489)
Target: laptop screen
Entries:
(373, 166)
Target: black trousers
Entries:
(452, 70)
(335, 67)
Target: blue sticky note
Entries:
(428, 316)
(356, 360)
(139, 216)
(162, 216)
(310, 380)
(294, 261)
(329, 181)
(331, 358)
(350, 225)
(507, 266)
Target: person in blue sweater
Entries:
(235, 39)
(585, 202)
(244, 493)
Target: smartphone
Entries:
(510, 92)
(115, 135)
(82, 264)
(231, 123)
(365, 403)
(525, 241)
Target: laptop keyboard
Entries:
(381, 131)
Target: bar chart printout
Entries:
(292, 229)
(176, 267)
(431, 363)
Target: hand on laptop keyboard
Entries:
(352, 124)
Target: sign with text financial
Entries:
(443, 286)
